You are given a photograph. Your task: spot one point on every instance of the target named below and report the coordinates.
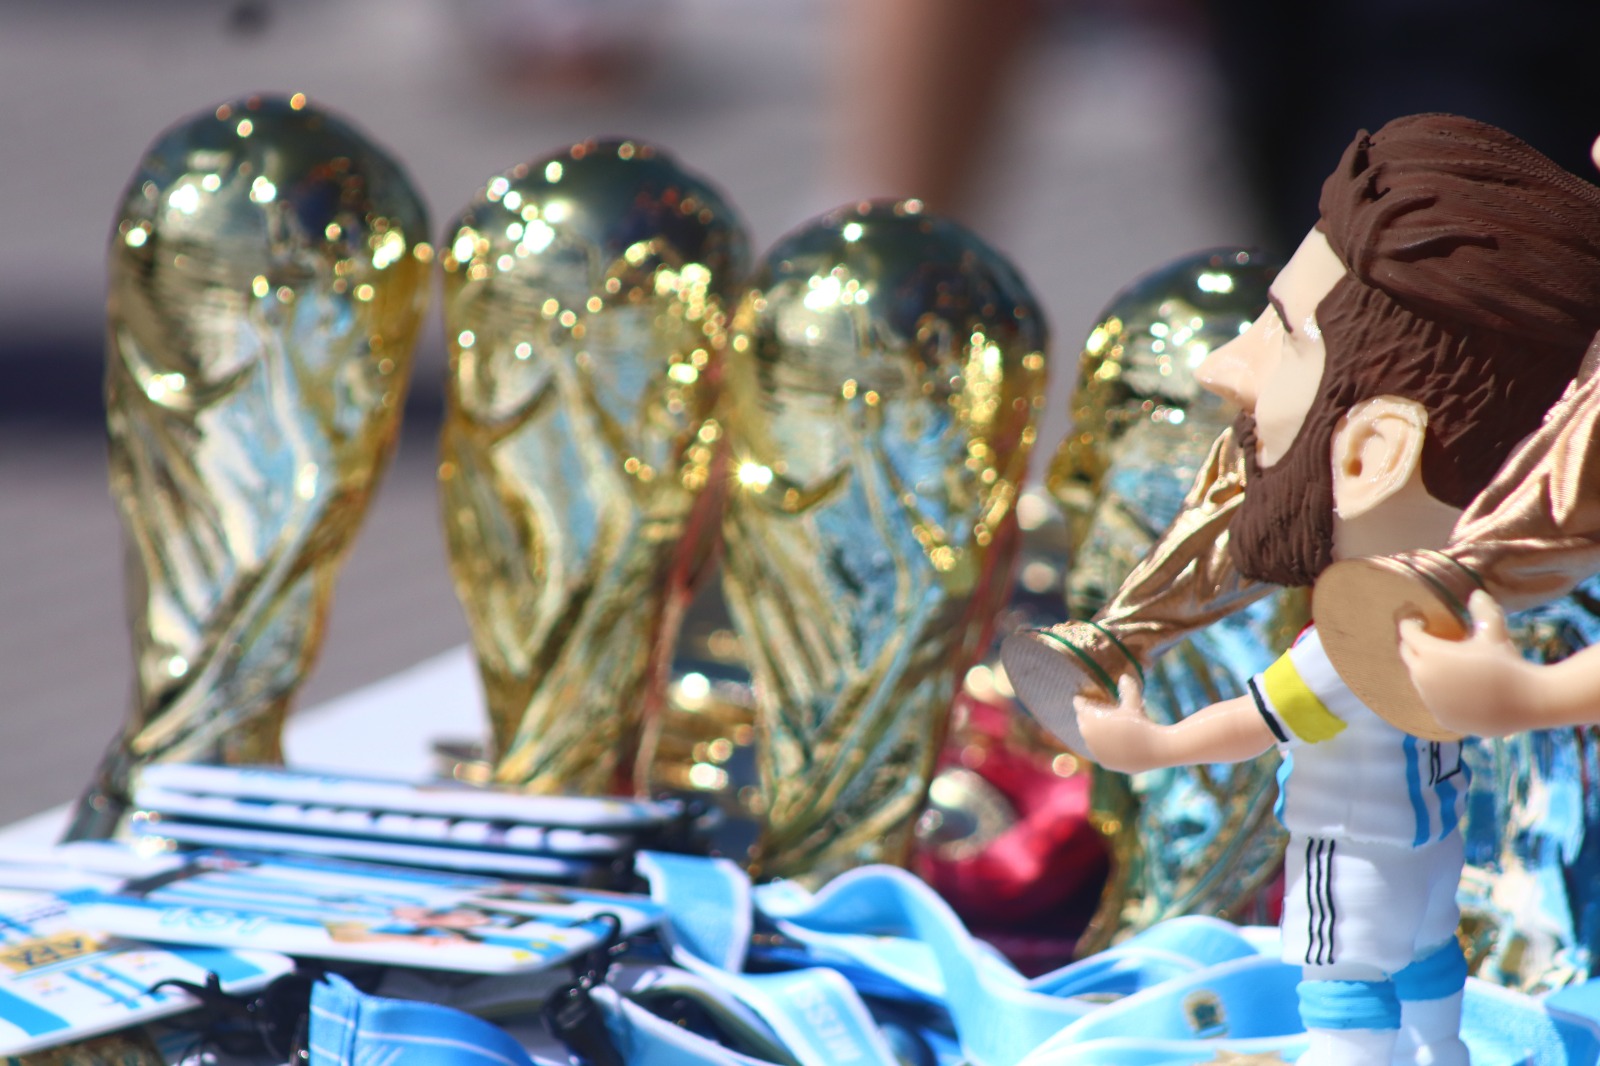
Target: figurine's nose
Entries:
(1230, 371)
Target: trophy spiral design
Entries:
(1188, 839)
(585, 307)
(268, 271)
(883, 379)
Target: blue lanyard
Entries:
(350, 1028)
(1178, 994)
(884, 920)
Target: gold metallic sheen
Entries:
(1143, 428)
(882, 385)
(1530, 536)
(268, 271)
(1359, 604)
(585, 309)
(1185, 582)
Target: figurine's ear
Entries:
(1377, 450)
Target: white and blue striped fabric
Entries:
(1347, 773)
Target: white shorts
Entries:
(1350, 903)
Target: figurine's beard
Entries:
(1283, 531)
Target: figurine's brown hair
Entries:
(1473, 288)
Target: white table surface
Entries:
(386, 729)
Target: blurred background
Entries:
(1090, 142)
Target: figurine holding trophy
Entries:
(1426, 326)
(1185, 840)
(268, 272)
(1530, 536)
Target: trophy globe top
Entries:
(264, 217)
(609, 253)
(879, 337)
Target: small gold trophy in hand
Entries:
(585, 305)
(1532, 535)
(268, 270)
(1186, 582)
(882, 385)
(1185, 840)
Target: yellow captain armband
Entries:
(1296, 705)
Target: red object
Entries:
(1040, 878)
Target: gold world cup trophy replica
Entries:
(882, 385)
(586, 298)
(1187, 840)
(268, 271)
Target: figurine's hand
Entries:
(1479, 684)
(1119, 736)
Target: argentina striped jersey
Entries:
(1346, 772)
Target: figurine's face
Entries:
(1274, 368)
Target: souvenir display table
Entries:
(516, 852)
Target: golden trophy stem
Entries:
(1185, 583)
(695, 560)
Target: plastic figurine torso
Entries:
(1346, 772)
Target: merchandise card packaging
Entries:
(338, 909)
(41, 872)
(445, 825)
(60, 982)
(157, 829)
(450, 802)
(29, 876)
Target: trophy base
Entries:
(1358, 605)
(1049, 667)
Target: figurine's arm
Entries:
(1481, 684)
(1123, 738)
